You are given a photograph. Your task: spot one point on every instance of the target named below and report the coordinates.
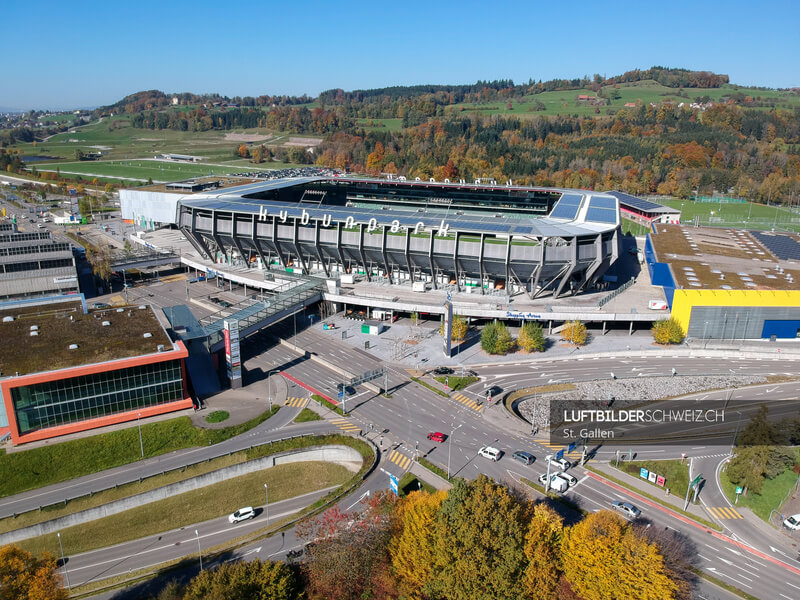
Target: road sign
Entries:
(571, 447)
(341, 394)
(696, 480)
(739, 489)
(560, 454)
(394, 485)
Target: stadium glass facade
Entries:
(75, 399)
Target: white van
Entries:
(558, 484)
(490, 453)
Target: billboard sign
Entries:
(232, 352)
(448, 328)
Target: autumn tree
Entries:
(543, 552)
(531, 337)
(101, 261)
(458, 328)
(257, 156)
(24, 576)
(575, 333)
(496, 338)
(604, 559)
(243, 151)
(411, 548)
(253, 580)
(348, 554)
(479, 539)
(667, 331)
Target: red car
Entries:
(436, 436)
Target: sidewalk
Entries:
(241, 404)
(643, 487)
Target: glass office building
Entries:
(97, 395)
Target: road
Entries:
(399, 426)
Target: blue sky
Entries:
(80, 54)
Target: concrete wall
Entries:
(337, 454)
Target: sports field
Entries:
(748, 215)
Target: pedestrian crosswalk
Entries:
(296, 402)
(555, 447)
(468, 402)
(400, 459)
(346, 425)
(724, 512)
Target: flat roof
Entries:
(63, 323)
(646, 206)
(542, 226)
(221, 181)
(726, 259)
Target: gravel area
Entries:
(624, 392)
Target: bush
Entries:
(575, 333)
(218, 416)
(531, 337)
(496, 339)
(667, 331)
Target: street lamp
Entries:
(449, 447)
(266, 506)
(139, 423)
(63, 560)
(199, 551)
(269, 385)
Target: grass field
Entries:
(145, 169)
(565, 103)
(45, 465)
(773, 493)
(285, 481)
(748, 215)
(675, 472)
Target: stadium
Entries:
(480, 235)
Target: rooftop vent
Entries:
(120, 310)
(73, 346)
(34, 333)
(8, 319)
(106, 323)
(160, 347)
(142, 307)
(34, 328)
(148, 335)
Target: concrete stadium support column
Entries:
(235, 239)
(383, 253)
(407, 251)
(508, 266)
(430, 261)
(319, 250)
(214, 235)
(455, 262)
(296, 244)
(254, 239)
(361, 252)
(573, 263)
(598, 260)
(539, 268)
(275, 243)
(339, 246)
(480, 261)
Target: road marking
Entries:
(296, 402)
(364, 495)
(724, 512)
(401, 460)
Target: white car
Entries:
(242, 514)
(792, 522)
(490, 453)
(568, 478)
(560, 463)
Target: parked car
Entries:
(792, 522)
(436, 436)
(525, 458)
(560, 463)
(443, 371)
(491, 453)
(242, 514)
(494, 392)
(626, 508)
(225, 304)
(557, 483)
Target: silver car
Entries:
(626, 508)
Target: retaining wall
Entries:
(337, 454)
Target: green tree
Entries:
(667, 331)
(253, 580)
(101, 261)
(489, 338)
(575, 333)
(748, 467)
(79, 155)
(531, 337)
(24, 576)
(480, 537)
(758, 431)
(458, 328)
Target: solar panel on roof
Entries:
(601, 215)
(633, 202)
(784, 247)
(603, 202)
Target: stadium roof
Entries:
(628, 201)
